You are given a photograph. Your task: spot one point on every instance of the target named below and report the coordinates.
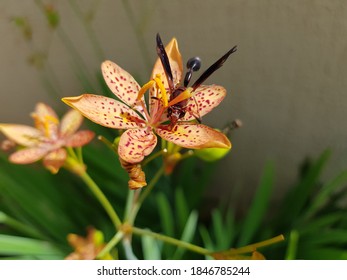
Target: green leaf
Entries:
(258, 207)
(292, 245)
(166, 215)
(220, 234)
(207, 241)
(188, 234)
(337, 237)
(300, 194)
(316, 225)
(326, 253)
(14, 245)
(323, 196)
(182, 210)
(151, 248)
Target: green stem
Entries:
(137, 204)
(102, 199)
(86, 24)
(173, 241)
(139, 35)
(292, 245)
(75, 165)
(79, 154)
(153, 156)
(113, 242)
(254, 246)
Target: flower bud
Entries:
(211, 154)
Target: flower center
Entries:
(46, 124)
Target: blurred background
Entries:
(286, 82)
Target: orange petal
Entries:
(205, 98)
(176, 65)
(29, 155)
(121, 83)
(54, 160)
(80, 138)
(70, 122)
(135, 144)
(46, 120)
(175, 60)
(194, 136)
(104, 111)
(21, 134)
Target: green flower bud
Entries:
(211, 154)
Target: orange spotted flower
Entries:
(48, 138)
(141, 125)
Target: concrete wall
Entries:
(287, 81)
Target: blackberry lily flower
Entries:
(48, 138)
(140, 124)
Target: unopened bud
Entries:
(211, 154)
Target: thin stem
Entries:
(75, 164)
(79, 154)
(151, 185)
(102, 199)
(86, 24)
(113, 242)
(153, 156)
(107, 143)
(137, 205)
(81, 71)
(254, 246)
(139, 35)
(292, 245)
(173, 241)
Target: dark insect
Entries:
(177, 105)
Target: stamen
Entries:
(44, 123)
(47, 121)
(143, 90)
(160, 84)
(183, 96)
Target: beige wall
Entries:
(287, 81)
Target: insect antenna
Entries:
(212, 68)
(193, 65)
(165, 62)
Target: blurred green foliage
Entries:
(38, 210)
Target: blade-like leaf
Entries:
(181, 207)
(151, 248)
(258, 207)
(14, 245)
(188, 233)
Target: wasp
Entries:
(177, 110)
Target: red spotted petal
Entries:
(121, 83)
(21, 134)
(54, 160)
(194, 136)
(175, 60)
(105, 111)
(70, 122)
(80, 138)
(135, 144)
(204, 100)
(28, 155)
